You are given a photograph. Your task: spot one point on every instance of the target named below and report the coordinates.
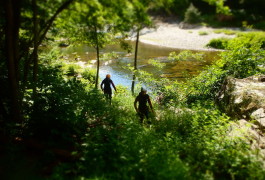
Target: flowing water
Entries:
(122, 76)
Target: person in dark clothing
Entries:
(143, 109)
(107, 82)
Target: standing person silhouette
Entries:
(107, 82)
(143, 109)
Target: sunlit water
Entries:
(121, 76)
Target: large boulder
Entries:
(244, 98)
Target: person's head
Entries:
(143, 90)
(108, 76)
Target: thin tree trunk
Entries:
(35, 51)
(3, 111)
(12, 29)
(17, 10)
(135, 60)
(97, 47)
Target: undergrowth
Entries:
(187, 138)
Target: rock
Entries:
(244, 99)
(240, 98)
(261, 79)
(63, 45)
(249, 133)
(184, 25)
(259, 116)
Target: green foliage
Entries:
(126, 46)
(220, 6)
(246, 26)
(225, 31)
(71, 70)
(89, 74)
(203, 33)
(188, 139)
(251, 38)
(192, 15)
(109, 56)
(242, 59)
(156, 63)
(247, 39)
(206, 84)
(260, 25)
(61, 104)
(220, 43)
(181, 143)
(185, 56)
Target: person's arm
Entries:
(113, 85)
(101, 85)
(150, 104)
(135, 104)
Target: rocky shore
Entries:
(171, 34)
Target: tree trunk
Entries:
(12, 35)
(97, 47)
(35, 51)
(3, 111)
(135, 60)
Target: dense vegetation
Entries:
(56, 124)
(254, 37)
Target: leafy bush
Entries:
(260, 25)
(89, 74)
(225, 31)
(243, 59)
(203, 33)
(220, 43)
(248, 39)
(252, 38)
(192, 15)
(71, 71)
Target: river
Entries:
(121, 76)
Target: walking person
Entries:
(107, 82)
(143, 109)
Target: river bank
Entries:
(169, 34)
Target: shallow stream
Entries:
(115, 67)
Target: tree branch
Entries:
(51, 20)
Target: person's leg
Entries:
(146, 114)
(141, 115)
(109, 97)
(106, 96)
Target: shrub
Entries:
(89, 74)
(192, 15)
(203, 33)
(243, 59)
(220, 43)
(251, 38)
(225, 31)
(260, 25)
